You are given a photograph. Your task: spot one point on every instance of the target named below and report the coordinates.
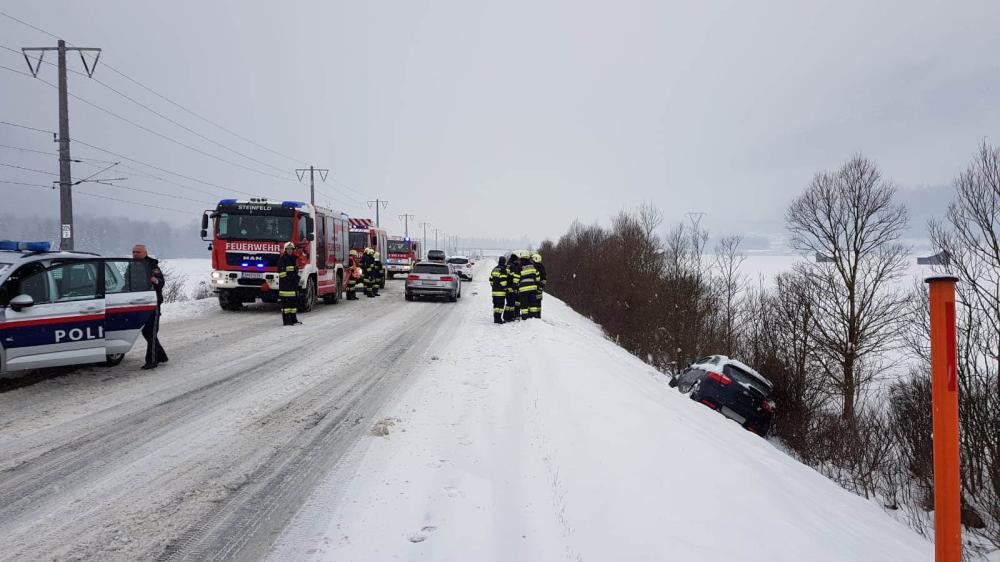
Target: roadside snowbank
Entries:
(542, 440)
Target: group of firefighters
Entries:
(517, 285)
(367, 270)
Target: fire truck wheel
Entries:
(308, 300)
(228, 301)
(334, 297)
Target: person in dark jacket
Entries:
(512, 310)
(368, 272)
(288, 285)
(527, 288)
(151, 329)
(377, 273)
(540, 268)
(498, 284)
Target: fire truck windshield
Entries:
(398, 247)
(359, 239)
(254, 227)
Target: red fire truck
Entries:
(247, 238)
(364, 234)
(401, 254)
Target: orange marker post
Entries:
(944, 391)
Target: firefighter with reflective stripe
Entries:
(377, 272)
(512, 311)
(498, 284)
(353, 274)
(527, 287)
(288, 285)
(540, 268)
(366, 271)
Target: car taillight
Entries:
(768, 405)
(719, 377)
(413, 278)
(447, 278)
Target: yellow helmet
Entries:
(289, 245)
(376, 255)
(354, 253)
(537, 258)
(369, 250)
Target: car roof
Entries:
(24, 256)
(726, 360)
(429, 262)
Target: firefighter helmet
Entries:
(376, 255)
(289, 245)
(523, 254)
(354, 253)
(369, 250)
(537, 258)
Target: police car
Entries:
(68, 308)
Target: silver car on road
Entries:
(433, 279)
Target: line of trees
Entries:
(842, 336)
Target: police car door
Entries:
(129, 301)
(60, 323)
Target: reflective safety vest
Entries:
(498, 281)
(528, 279)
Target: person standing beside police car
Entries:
(151, 329)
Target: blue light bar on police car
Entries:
(25, 246)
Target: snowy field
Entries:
(545, 441)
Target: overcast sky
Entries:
(509, 118)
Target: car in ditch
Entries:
(68, 308)
(432, 279)
(732, 388)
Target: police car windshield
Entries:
(254, 227)
(398, 247)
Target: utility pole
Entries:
(301, 173)
(65, 175)
(436, 230)
(425, 225)
(406, 224)
(377, 202)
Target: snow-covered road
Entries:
(211, 454)
(535, 441)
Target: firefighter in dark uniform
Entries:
(498, 284)
(513, 278)
(540, 268)
(353, 274)
(288, 285)
(377, 273)
(527, 288)
(151, 329)
(367, 271)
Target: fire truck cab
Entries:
(401, 254)
(364, 234)
(247, 238)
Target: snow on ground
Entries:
(542, 440)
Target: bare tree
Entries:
(730, 283)
(849, 217)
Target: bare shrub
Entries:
(173, 286)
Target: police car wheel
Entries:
(113, 359)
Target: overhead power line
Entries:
(163, 136)
(99, 196)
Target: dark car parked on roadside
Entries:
(732, 388)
